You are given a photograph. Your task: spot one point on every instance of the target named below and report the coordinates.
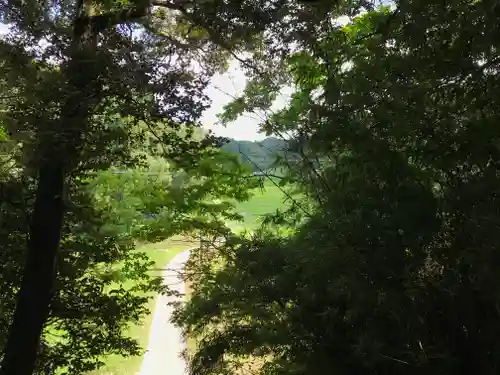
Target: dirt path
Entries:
(165, 343)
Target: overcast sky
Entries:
(232, 83)
(224, 87)
(221, 91)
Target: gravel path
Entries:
(165, 343)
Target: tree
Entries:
(64, 92)
(394, 269)
(102, 283)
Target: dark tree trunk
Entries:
(37, 285)
(34, 297)
(60, 155)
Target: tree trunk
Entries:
(34, 297)
(60, 155)
(37, 285)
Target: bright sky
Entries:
(221, 91)
(225, 87)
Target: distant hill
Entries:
(259, 155)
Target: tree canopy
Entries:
(385, 262)
(393, 269)
(92, 88)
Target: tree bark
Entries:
(33, 300)
(59, 154)
(37, 285)
(35, 294)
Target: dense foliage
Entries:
(99, 150)
(94, 303)
(394, 265)
(387, 260)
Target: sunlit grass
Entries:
(264, 201)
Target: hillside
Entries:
(259, 155)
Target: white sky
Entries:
(222, 89)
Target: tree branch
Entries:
(101, 22)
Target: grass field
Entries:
(264, 201)
(161, 253)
